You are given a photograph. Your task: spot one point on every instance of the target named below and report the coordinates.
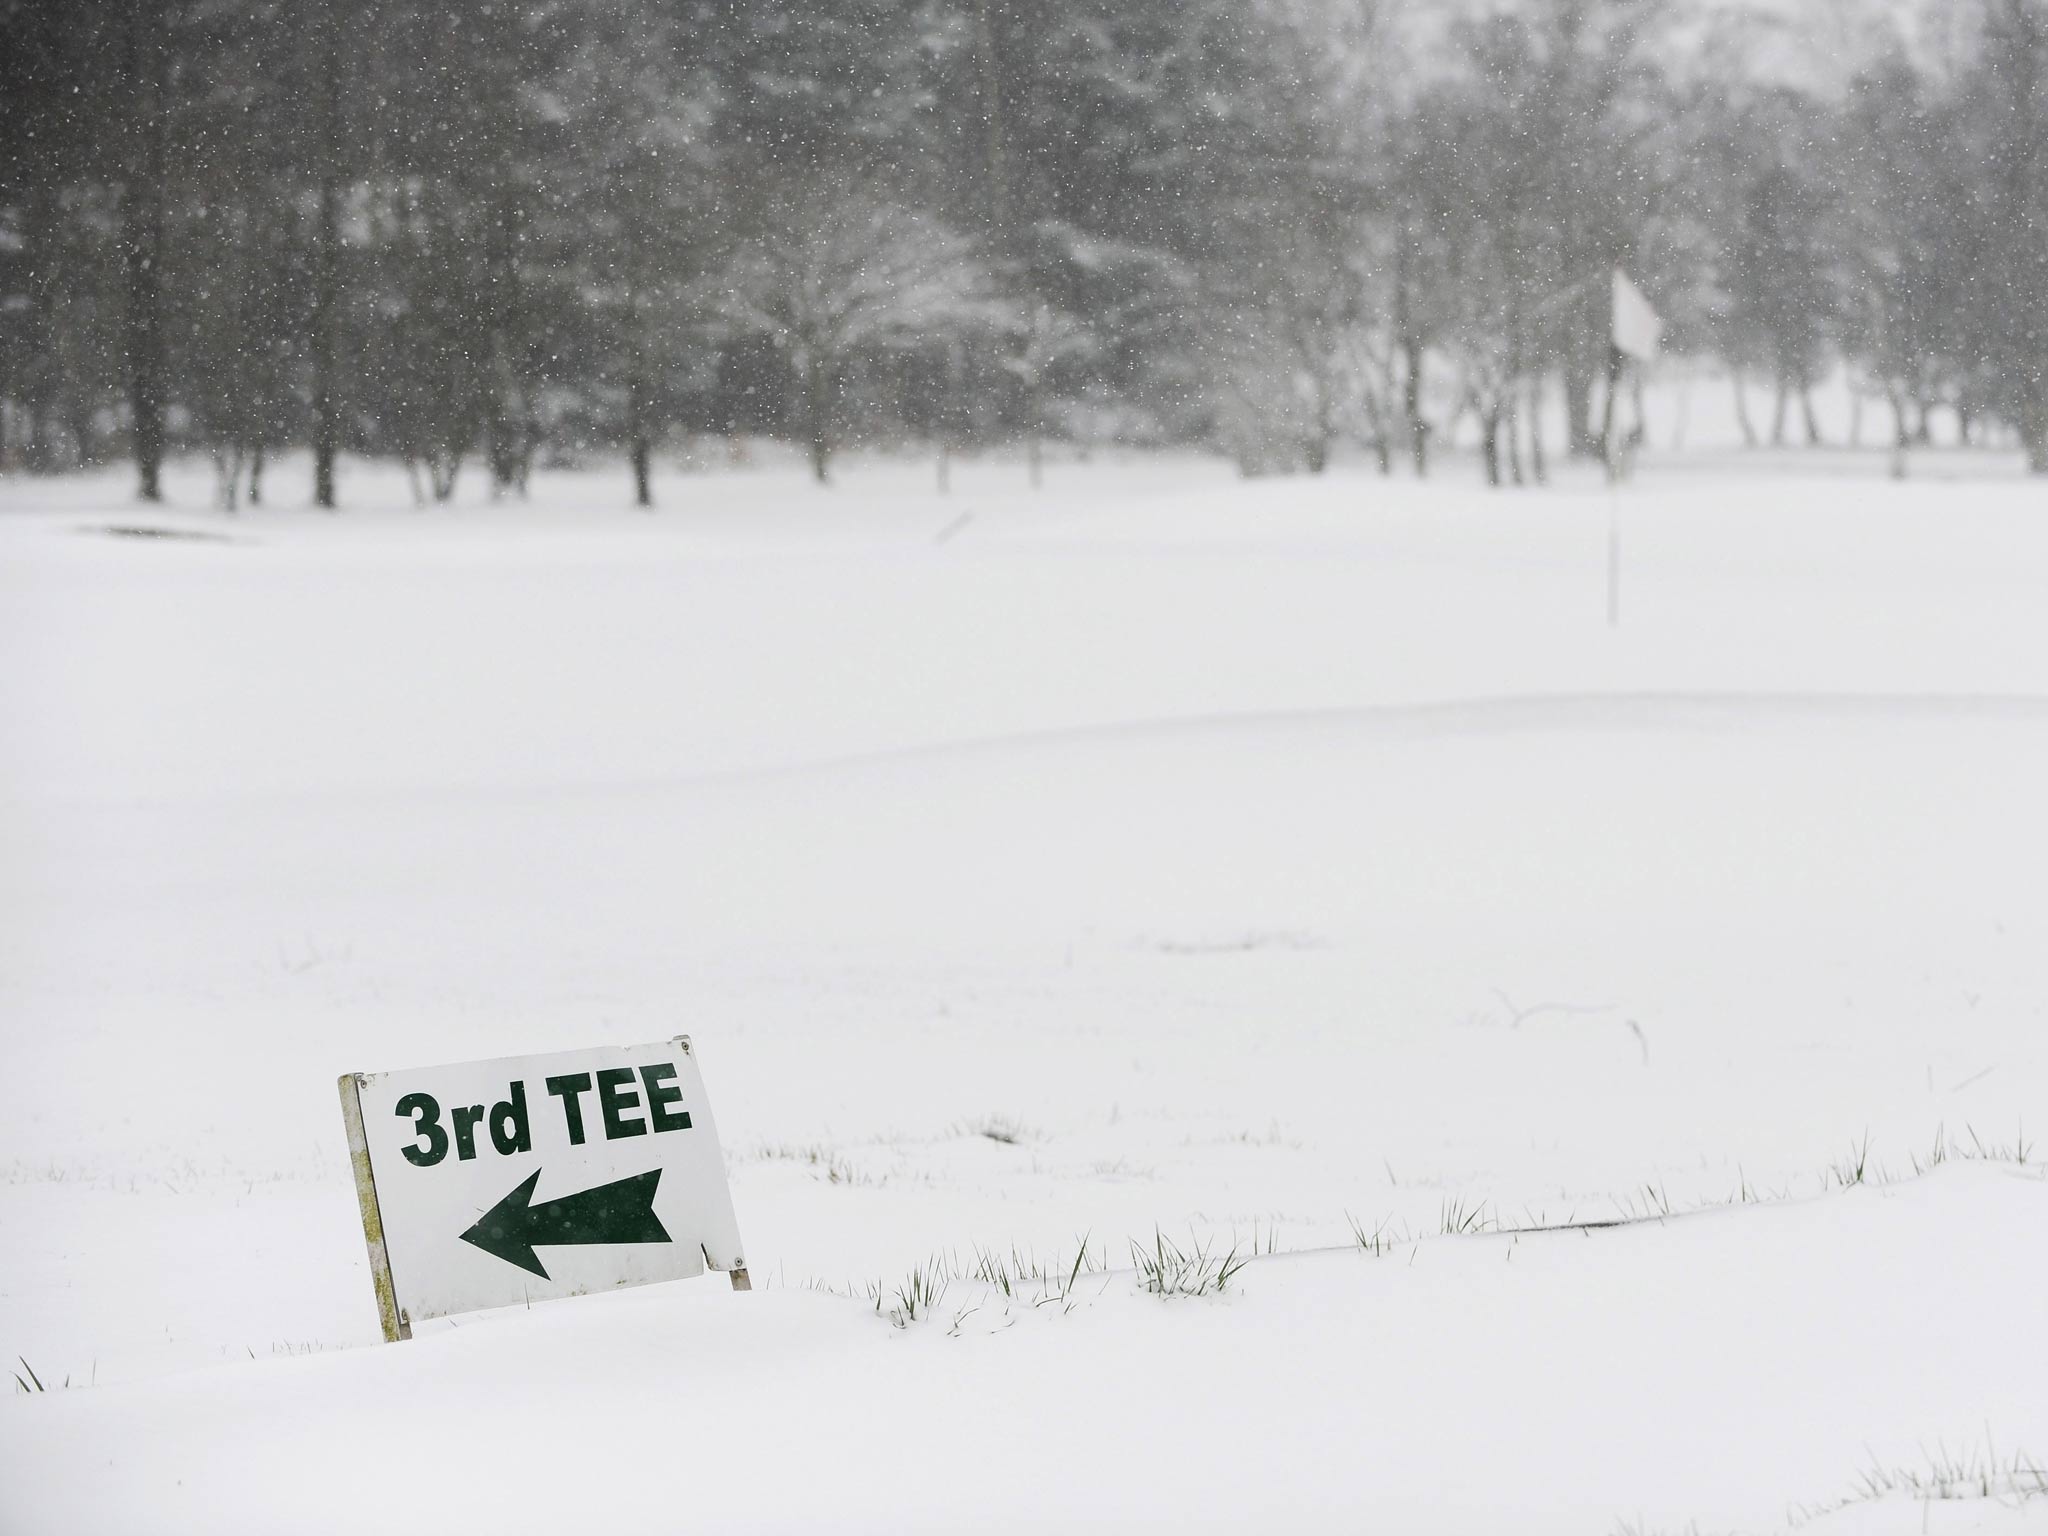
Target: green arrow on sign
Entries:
(619, 1212)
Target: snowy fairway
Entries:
(1246, 862)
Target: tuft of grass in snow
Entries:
(1379, 1242)
(1853, 1169)
(827, 1164)
(1858, 1169)
(1461, 1220)
(1021, 1277)
(1065, 1294)
(1959, 1477)
(26, 1379)
(999, 1128)
(1650, 1203)
(2011, 1481)
(2019, 1150)
(1018, 1278)
(918, 1297)
(1167, 1269)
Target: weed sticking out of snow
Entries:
(27, 1382)
(1015, 1278)
(917, 1297)
(823, 1162)
(290, 1348)
(1461, 1220)
(1265, 1241)
(1379, 1242)
(1167, 1269)
(1948, 1476)
(1652, 1202)
(1000, 1129)
(1857, 1168)
(2019, 1151)
(1852, 1170)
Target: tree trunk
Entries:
(989, 84)
(2034, 426)
(1742, 418)
(142, 215)
(1411, 405)
(1583, 442)
(1323, 432)
(1376, 423)
(326, 317)
(817, 425)
(643, 484)
(256, 460)
(507, 436)
(39, 450)
(77, 417)
(227, 469)
(1811, 421)
(1489, 440)
(326, 408)
(1779, 414)
(1511, 427)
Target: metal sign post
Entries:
(499, 1183)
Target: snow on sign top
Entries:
(495, 1183)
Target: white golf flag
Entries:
(1637, 327)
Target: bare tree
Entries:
(831, 275)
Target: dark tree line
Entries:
(466, 234)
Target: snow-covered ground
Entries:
(1252, 863)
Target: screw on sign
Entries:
(498, 1183)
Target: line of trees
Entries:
(468, 234)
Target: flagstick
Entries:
(1613, 554)
(1617, 366)
(1634, 329)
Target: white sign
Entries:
(1638, 328)
(496, 1183)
